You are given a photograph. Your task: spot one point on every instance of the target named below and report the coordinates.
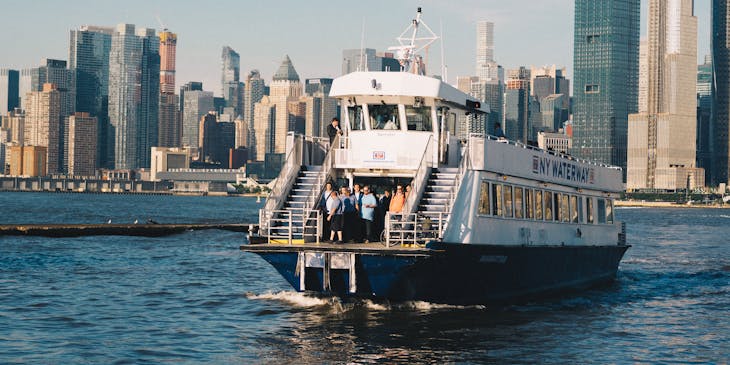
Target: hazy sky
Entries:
(313, 33)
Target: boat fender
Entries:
(578, 233)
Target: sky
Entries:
(313, 33)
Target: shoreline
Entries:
(166, 193)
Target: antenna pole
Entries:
(362, 47)
(443, 64)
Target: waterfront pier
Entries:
(147, 230)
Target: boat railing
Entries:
(285, 226)
(540, 150)
(405, 229)
(284, 182)
(464, 165)
(419, 182)
(313, 198)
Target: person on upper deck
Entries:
(498, 132)
(334, 129)
(397, 201)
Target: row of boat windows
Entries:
(519, 202)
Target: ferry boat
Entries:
(488, 220)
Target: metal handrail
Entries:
(418, 182)
(537, 149)
(288, 215)
(413, 228)
(287, 174)
(463, 167)
(315, 193)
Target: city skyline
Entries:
(199, 46)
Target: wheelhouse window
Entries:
(538, 205)
(355, 116)
(484, 203)
(384, 116)
(419, 118)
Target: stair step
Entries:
(453, 170)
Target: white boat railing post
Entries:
(387, 229)
(290, 228)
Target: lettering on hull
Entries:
(562, 170)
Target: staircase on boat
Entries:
(437, 195)
(291, 222)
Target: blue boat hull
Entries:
(460, 274)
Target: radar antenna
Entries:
(410, 44)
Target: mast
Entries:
(410, 44)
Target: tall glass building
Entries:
(606, 72)
(720, 92)
(231, 87)
(134, 89)
(88, 58)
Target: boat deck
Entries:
(376, 248)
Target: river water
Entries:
(195, 298)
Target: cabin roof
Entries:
(399, 84)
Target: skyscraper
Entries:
(265, 125)
(53, 72)
(704, 117)
(720, 92)
(661, 141)
(197, 103)
(285, 87)
(517, 105)
(88, 59)
(486, 67)
(9, 93)
(169, 128)
(606, 67)
(317, 97)
(81, 142)
(134, 89)
(254, 90)
(42, 118)
(231, 87)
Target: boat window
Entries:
(356, 118)
(518, 202)
(601, 211)
(609, 211)
(508, 211)
(497, 203)
(538, 204)
(529, 198)
(484, 199)
(564, 209)
(384, 116)
(419, 118)
(556, 206)
(548, 206)
(589, 209)
(575, 209)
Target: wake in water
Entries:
(307, 300)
